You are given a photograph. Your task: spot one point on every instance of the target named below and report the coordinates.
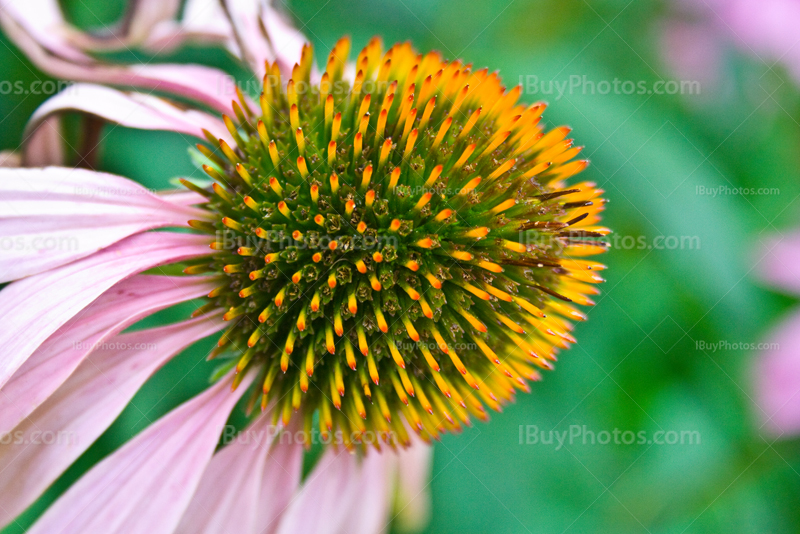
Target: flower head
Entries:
(398, 243)
(389, 245)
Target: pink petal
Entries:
(778, 261)
(40, 304)
(324, 502)
(369, 512)
(47, 146)
(182, 197)
(778, 379)
(56, 215)
(246, 485)
(38, 29)
(279, 481)
(55, 360)
(202, 22)
(84, 407)
(413, 501)
(132, 110)
(281, 42)
(147, 13)
(144, 487)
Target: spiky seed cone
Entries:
(400, 247)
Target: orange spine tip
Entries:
(444, 214)
(413, 265)
(334, 183)
(246, 251)
(435, 173)
(361, 266)
(275, 185)
(272, 257)
(362, 227)
(366, 177)
(491, 267)
(333, 245)
(331, 281)
(394, 225)
(331, 153)
(425, 242)
(284, 209)
(461, 255)
(377, 257)
(515, 247)
(252, 204)
(302, 167)
(394, 178)
(471, 185)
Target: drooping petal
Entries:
(263, 35)
(84, 407)
(132, 110)
(280, 479)
(55, 360)
(778, 379)
(182, 197)
(326, 496)
(40, 304)
(413, 500)
(38, 28)
(202, 22)
(46, 148)
(144, 14)
(144, 487)
(249, 480)
(56, 215)
(369, 513)
(779, 257)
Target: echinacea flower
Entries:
(391, 246)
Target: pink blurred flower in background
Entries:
(778, 363)
(695, 35)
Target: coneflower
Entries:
(403, 243)
(390, 245)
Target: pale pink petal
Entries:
(413, 501)
(47, 146)
(369, 512)
(778, 260)
(144, 14)
(202, 21)
(325, 499)
(132, 110)
(40, 304)
(55, 360)
(182, 197)
(263, 35)
(279, 481)
(778, 379)
(38, 29)
(144, 487)
(230, 497)
(56, 215)
(62, 428)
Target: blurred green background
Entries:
(639, 364)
